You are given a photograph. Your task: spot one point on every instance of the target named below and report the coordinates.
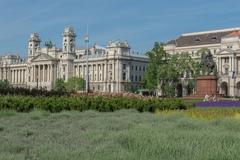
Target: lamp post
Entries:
(86, 40)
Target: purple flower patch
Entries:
(219, 104)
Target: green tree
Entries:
(156, 56)
(164, 71)
(60, 85)
(4, 84)
(75, 84)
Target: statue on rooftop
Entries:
(49, 44)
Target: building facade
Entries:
(225, 47)
(111, 69)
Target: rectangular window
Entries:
(111, 76)
(226, 60)
(124, 76)
(226, 71)
(136, 78)
(124, 66)
(136, 68)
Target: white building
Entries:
(111, 69)
(224, 45)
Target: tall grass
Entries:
(123, 135)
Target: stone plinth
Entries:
(206, 85)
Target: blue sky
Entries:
(140, 22)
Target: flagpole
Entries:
(87, 72)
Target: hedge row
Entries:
(101, 104)
(30, 92)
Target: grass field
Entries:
(121, 135)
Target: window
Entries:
(143, 68)
(63, 68)
(124, 66)
(226, 60)
(132, 67)
(136, 68)
(124, 76)
(226, 71)
(111, 76)
(132, 78)
(140, 68)
(214, 38)
(140, 78)
(197, 39)
(136, 78)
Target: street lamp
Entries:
(86, 40)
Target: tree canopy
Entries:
(60, 85)
(164, 71)
(75, 84)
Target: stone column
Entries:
(14, 74)
(17, 76)
(220, 67)
(53, 73)
(47, 75)
(50, 72)
(80, 71)
(33, 73)
(24, 78)
(20, 76)
(102, 78)
(44, 73)
(39, 73)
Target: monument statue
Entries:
(207, 81)
(208, 66)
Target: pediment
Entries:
(225, 51)
(42, 57)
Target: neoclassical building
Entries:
(111, 69)
(225, 47)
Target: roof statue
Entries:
(49, 44)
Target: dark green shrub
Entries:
(101, 104)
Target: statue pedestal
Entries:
(206, 85)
